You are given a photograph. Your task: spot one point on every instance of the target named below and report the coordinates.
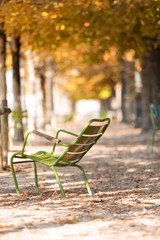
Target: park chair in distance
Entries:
(72, 154)
(19, 121)
(155, 116)
(17, 116)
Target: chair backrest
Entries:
(90, 134)
(155, 115)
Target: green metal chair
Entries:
(155, 116)
(17, 116)
(19, 122)
(72, 154)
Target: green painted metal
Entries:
(18, 115)
(155, 116)
(84, 176)
(58, 181)
(73, 153)
(35, 176)
(13, 173)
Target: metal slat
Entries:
(72, 156)
(79, 147)
(156, 110)
(88, 139)
(93, 129)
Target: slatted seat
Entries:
(155, 116)
(73, 153)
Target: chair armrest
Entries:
(61, 143)
(54, 140)
(25, 141)
(67, 132)
(50, 138)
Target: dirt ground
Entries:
(124, 178)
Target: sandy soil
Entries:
(124, 178)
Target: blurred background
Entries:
(68, 60)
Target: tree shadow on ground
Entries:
(123, 176)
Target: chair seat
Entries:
(48, 159)
(43, 157)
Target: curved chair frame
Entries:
(73, 153)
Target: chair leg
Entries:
(58, 181)
(85, 178)
(36, 179)
(153, 135)
(14, 176)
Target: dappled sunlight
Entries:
(124, 179)
(64, 63)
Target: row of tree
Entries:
(89, 36)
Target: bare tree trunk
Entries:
(15, 49)
(128, 92)
(150, 85)
(3, 88)
(45, 73)
(3, 99)
(43, 81)
(49, 92)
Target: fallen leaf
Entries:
(43, 179)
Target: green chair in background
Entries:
(72, 154)
(18, 116)
(19, 122)
(155, 116)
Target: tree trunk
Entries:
(15, 49)
(45, 73)
(3, 88)
(43, 82)
(49, 92)
(150, 85)
(103, 107)
(127, 92)
(3, 99)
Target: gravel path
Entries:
(124, 178)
